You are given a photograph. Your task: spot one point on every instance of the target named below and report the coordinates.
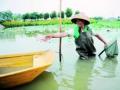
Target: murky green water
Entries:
(72, 74)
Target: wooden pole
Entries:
(60, 30)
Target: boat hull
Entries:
(39, 64)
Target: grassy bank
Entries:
(106, 24)
(94, 23)
(8, 24)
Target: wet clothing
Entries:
(85, 45)
(84, 42)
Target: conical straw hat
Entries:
(81, 16)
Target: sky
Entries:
(104, 8)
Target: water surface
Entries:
(72, 74)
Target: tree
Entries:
(68, 12)
(77, 12)
(34, 16)
(53, 15)
(41, 16)
(7, 15)
(98, 18)
(1, 17)
(17, 16)
(26, 16)
(46, 15)
(118, 18)
(62, 14)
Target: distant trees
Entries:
(46, 16)
(1, 17)
(68, 12)
(26, 16)
(17, 16)
(98, 18)
(77, 12)
(34, 16)
(6, 16)
(62, 14)
(118, 18)
(53, 15)
(41, 15)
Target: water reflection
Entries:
(109, 66)
(7, 35)
(106, 67)
(83, 71)
(104, 74)
(45, 81)
(11, 35)
(29, 31)
(64, 78)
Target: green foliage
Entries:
(62, 14)
(77, 12)
(106, 24)
(94, 23)
(8, 19)
(46, 15)
(118, 18)
(1, 17)
(17, 17)
(41, 15)
(98, 18)
(6, 16)
(26, 16)
(34, 23)
(68, 12)
(53, 15)
(34, 15)
(66, 21)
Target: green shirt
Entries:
(76, 31)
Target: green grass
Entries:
(8, 24)
(94, 23)
(106, 24)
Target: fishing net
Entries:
(111, 49)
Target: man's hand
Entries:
(44, 38)
(48, 37)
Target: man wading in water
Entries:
(82, 34)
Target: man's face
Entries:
(80, 23)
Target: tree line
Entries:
(8, 15)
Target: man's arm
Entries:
(58, 35)
(100, 38)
